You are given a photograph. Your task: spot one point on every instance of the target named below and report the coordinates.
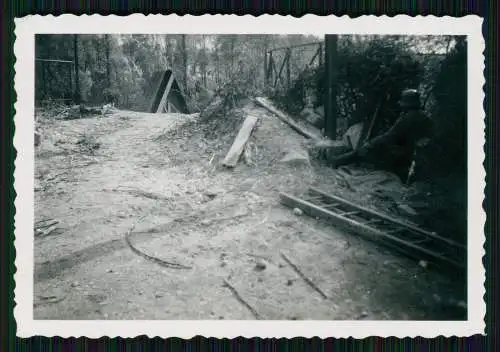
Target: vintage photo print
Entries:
(249, 176)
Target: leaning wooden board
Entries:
(268, 106)
(241, 139)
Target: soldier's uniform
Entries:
(394, 149)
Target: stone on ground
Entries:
(296, 158)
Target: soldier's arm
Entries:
(401, 127)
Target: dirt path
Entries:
(224, 225)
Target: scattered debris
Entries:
(326, 149)
(241, 139)
(305, 278)
(211, 159)
(38, 138)
(296, 158)
(48, 300)
(352, 136)
(45, 228)
(90, 110)
(423, 264)
(138, 192)
(88, 143)
(241, 300)
(247, 154)
(362, 315)
(158, 261)
(260, 264)
(206, 222)
(407, 209)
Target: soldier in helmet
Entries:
(395, 148)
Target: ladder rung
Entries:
(313, 199)
(349, 213)
(373, 221)
(330, 205)
(395, 231)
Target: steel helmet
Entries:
(410, 98)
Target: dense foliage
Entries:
(119, 68)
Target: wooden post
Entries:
(331, 86)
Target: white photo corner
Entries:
(247, 176)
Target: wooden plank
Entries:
(330, 197)
(163, 101)
(368, 232)
(241, 139)
(268, 106)
(159, 81)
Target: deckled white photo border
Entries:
(27, 27)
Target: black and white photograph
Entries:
(288, 177)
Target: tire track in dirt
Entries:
(52, 269)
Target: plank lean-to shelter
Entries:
(166, 95)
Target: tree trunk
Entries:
(266, 68)
(108, 65)
(77, 78)
(331, 86)
(184, 61)
(232, 54)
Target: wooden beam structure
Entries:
(294, 46)
(166, 94)
(331, 86)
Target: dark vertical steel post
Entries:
(320, 55)
(331, 86)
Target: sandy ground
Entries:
(147, 175)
